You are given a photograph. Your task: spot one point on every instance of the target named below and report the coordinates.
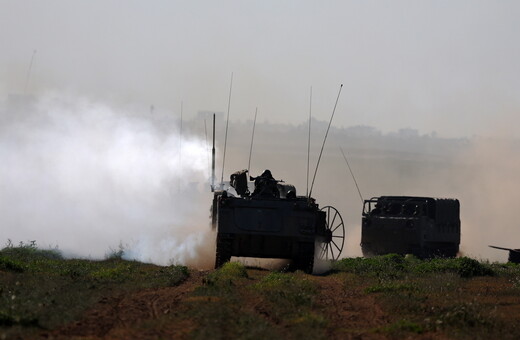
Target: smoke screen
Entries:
(90, 178)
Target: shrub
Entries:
(30, 252)
(394, 266)
(226, 275)
(176, 274)
(11, 265)
(463, 266)
(387, 266)
(117, 273)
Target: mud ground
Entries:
(351, 313)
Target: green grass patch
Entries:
(218, 307)
(290, 299)
(461, 316)
(391, 266)
(391, 287)
(230, 304)
(227, 274)
(40, 289)
(223, 280)
(116, 273)
(463, 266)
(395, 266)
(291, 290)
(511, 271)
(29, 252)
(226, 318)
(429, 295)
(11, 265)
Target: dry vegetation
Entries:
(43, 295)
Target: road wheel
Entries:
(332, 246)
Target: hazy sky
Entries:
(445, 66)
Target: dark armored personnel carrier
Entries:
(514, 254)
(273, 222)
(422, 226)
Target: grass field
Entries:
(43, 295)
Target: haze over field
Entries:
(91, 92)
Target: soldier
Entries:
(376, 210)
(265, 185)
(238, 180)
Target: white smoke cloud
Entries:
(87, 177)
(489, 195)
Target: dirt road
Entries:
(129, 315)
(339, 307)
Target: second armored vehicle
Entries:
(514, 254)
(422, 226)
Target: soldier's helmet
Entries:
(267, 174)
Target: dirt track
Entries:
(353, 311)
(350, 312)
(121, 317)
(117, 317)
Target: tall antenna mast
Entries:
(29, 73)
(252, 137)
(324, 140)
(180, 136)
(309, 142)
(213, 158)
(352, 173)
(225, 138)
(180, 147)
(207, 148)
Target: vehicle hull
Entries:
(422, 226)
(268, 228)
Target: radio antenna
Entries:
(207, 148)
(225, 138)
(324, 140)
(352, 173)
(252, 137)
(213, 158)
(309, 142)
(29, 73)
(180, 147)
(180, 139)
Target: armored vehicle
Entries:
(514, 254)
(422, 226)
(273, 222)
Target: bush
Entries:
(11, 265)
(389, 266)
(394, 266)
(226, 275)
(115, 274)
(29, 252)
(176, 274)
(463, 266)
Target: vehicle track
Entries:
(111, 317)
